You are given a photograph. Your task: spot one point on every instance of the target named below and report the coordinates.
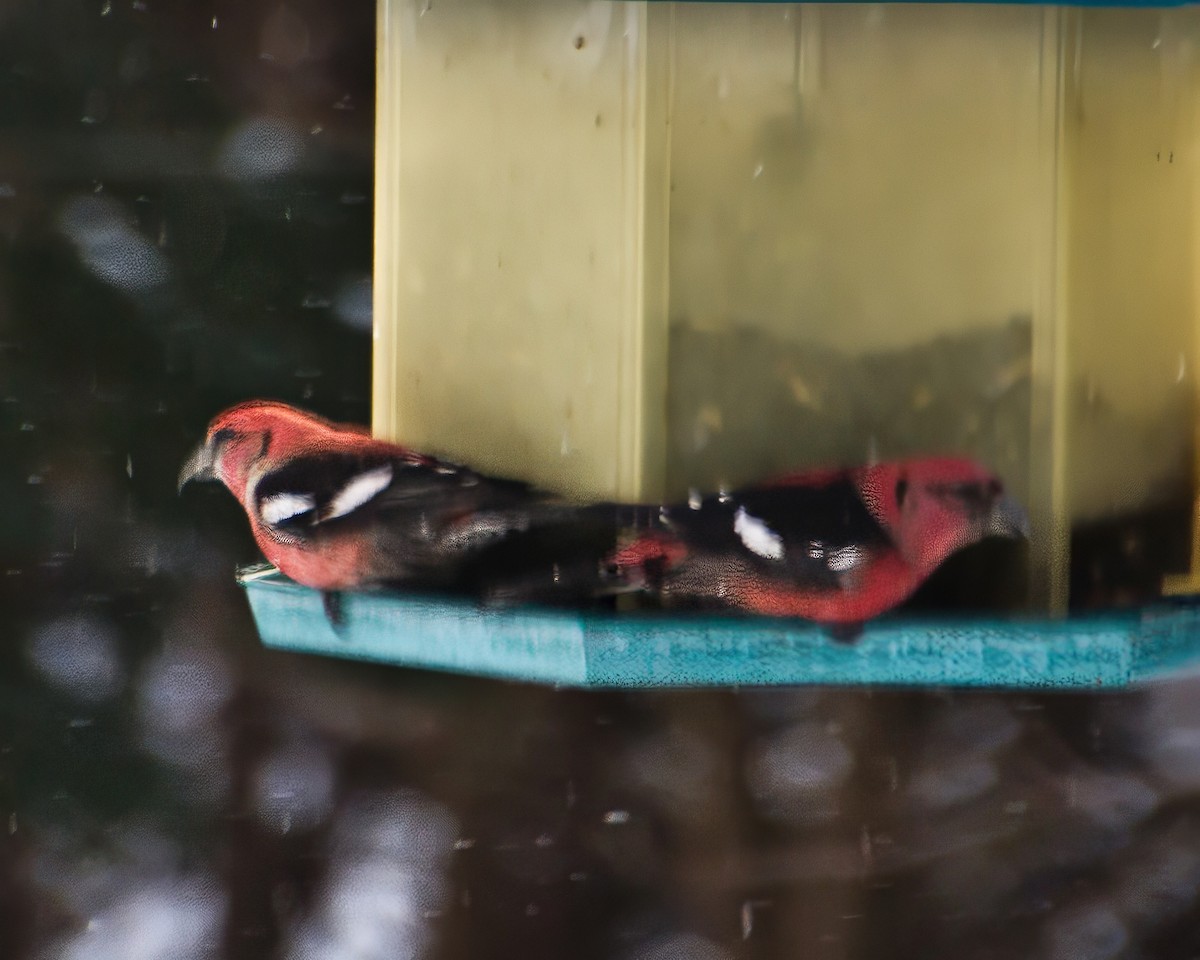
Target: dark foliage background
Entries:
(185, 221)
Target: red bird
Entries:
(335, 509)
(836, 547)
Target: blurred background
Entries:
(185, 213)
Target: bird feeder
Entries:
(628, 249)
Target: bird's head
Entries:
(243, 437)
(936, 506)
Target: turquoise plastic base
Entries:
(561, 647)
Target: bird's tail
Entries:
(568, 555)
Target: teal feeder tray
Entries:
(613, 650)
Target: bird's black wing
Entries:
(420, 510)
(812, 534)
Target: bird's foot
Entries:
(335, 613)
(846, 632)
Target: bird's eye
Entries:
(901, 491)
(224, 435)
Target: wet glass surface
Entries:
(185, 212)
